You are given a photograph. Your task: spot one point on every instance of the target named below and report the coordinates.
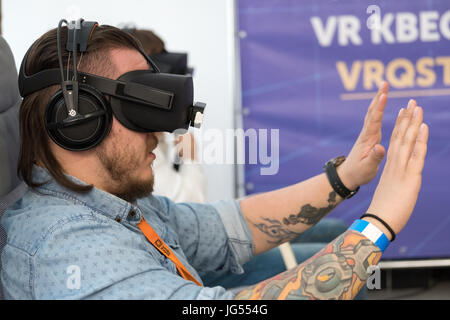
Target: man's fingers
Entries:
(374, 117)
(373, 125)
(401, 125)
(411, 134)
(383, 89)
(417, 159)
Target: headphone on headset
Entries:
(70, 111)
(78, 116)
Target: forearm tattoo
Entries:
(310, 215)
(338, 271)
(275, 231)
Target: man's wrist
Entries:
(379, 225)
(344, 174)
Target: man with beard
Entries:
(88, 226)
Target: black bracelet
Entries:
(335, 181)
(382, 221)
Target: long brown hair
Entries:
(35, 143)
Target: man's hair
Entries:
(150, 42)
(34, 142)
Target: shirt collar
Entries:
(99, 200)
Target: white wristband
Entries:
(372, 233)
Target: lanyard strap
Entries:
(159, 244)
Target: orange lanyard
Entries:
(159, 244)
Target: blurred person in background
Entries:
(178, 178)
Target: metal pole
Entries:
(239, 188)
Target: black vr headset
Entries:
(79, 116)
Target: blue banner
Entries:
(310, 68)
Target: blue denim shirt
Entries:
(66, 245)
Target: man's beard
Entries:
(120, 165)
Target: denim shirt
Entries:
(67, 245)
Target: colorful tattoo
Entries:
(338, 271)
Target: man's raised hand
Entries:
(396, 193)
(362, 163)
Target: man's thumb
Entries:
(377, 153)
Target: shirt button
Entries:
(118, 219)
(132, 213)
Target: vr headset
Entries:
(79, 115)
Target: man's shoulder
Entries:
(157, 205)
(31, 219)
